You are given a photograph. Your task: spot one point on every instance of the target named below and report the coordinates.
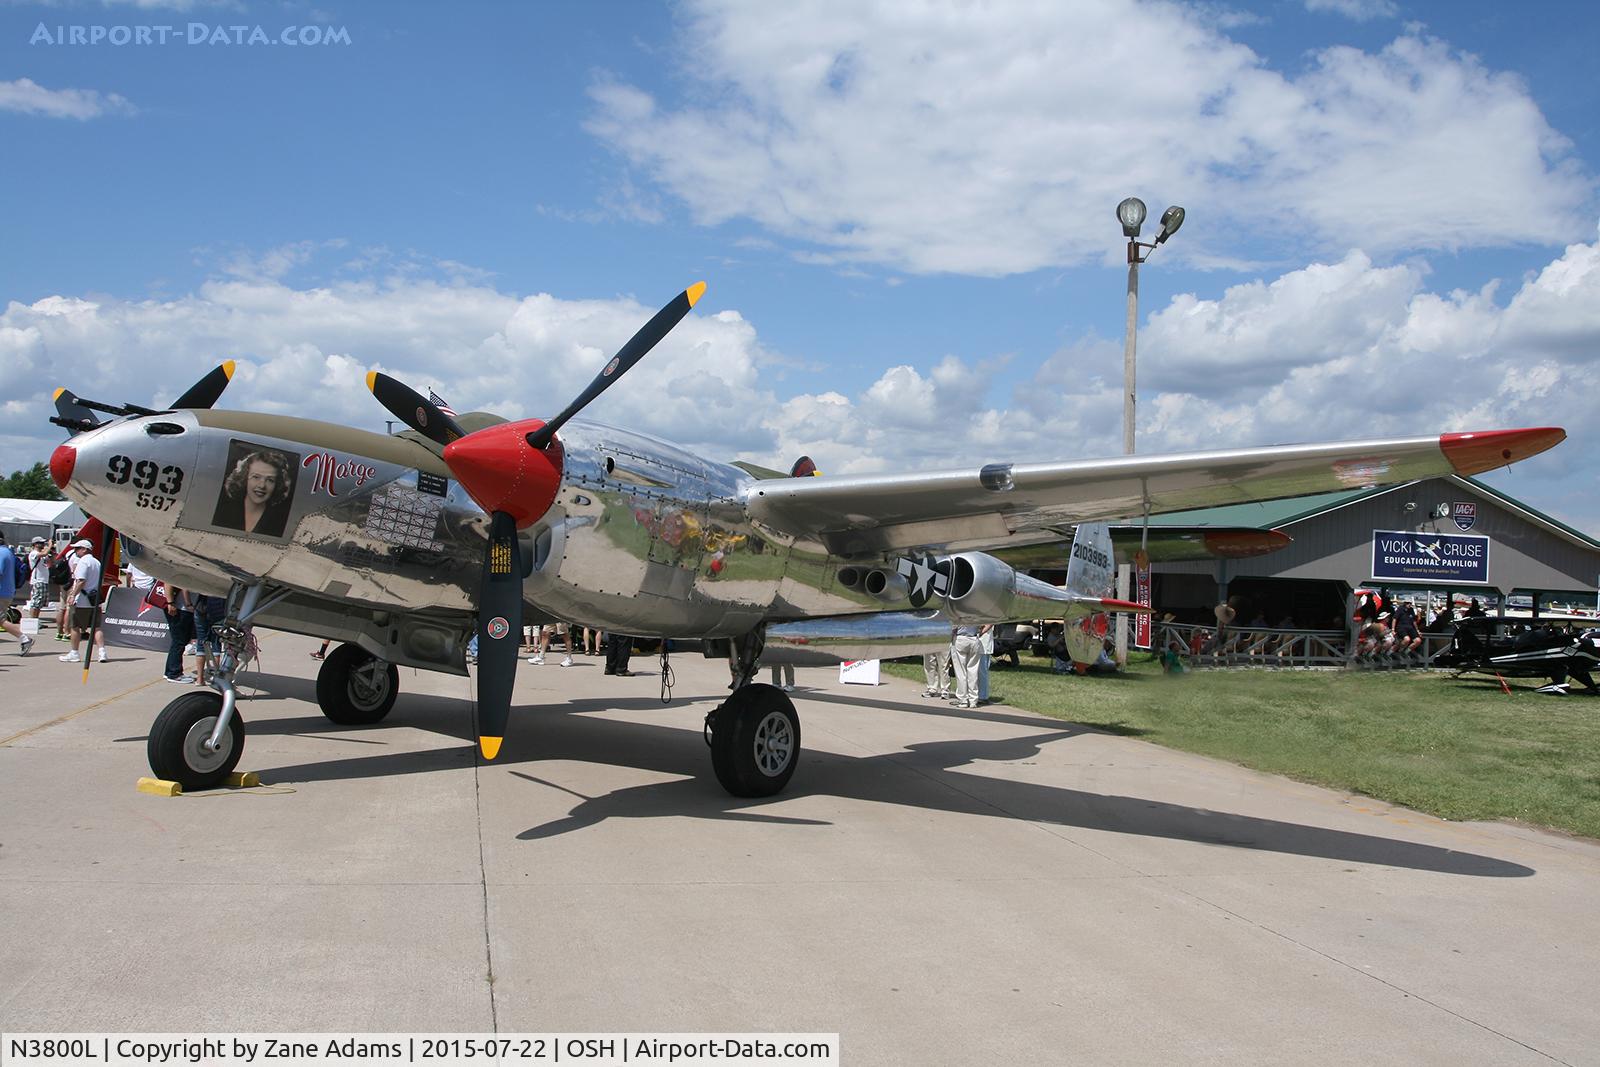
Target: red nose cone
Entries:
(503, 472)
(62, 460)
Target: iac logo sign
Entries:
(333, 473)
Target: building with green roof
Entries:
(1437, 538)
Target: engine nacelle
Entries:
(982, 589)
(887, 586)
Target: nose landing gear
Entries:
(198, 738)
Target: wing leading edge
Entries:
(1003, 503)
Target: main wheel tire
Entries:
(755, 741)
(175, 748)
(356, 688)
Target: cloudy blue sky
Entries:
(904, 212)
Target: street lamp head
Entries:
(1171, 219)
(1131, 214)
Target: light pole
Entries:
(1131, 213)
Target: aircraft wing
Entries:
(1164, 544)
(1001, 504)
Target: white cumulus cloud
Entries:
(28, 97)
(1360, 10)
(994, 139)
(1338, 350)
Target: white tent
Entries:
(23, 519)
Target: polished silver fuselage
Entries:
(380, 545)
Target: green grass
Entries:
(1459, 748)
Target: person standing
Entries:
(783, 676)
(545, 634)
(936, 669)
(39, 557)
(964, 654)
(180, 631)
(209, 612)
(618, 648)
(985, 654)
(10, 568)
(82, 596)
(1225, 613)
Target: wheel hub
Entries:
(197, 751)
(774, 743)
(369, 685)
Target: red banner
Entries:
(1141, 594)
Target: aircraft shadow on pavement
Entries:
(989, 713)
(924, 775)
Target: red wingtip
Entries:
(1242, 544)
(1473, 453)
(1113, 604)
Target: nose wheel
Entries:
(198, 738)
(755, 741)
(180, 748)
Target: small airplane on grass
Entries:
(403, 546)
(1557, 647)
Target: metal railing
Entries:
(1199, 646)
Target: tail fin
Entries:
(1091, 566)
(1091, 581)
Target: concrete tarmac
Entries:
(940, 886)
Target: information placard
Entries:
(859, 672)
(1401, 555)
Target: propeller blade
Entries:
(414, 409)
(499, 631)
(204, 393)
(629, 354)
(72, 414)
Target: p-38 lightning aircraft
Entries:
(402, 546)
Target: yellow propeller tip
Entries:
(490, 746)
(227, 368)
(695, 292)
(57, 394)
(372, 380)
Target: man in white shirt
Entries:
(38, 576)
(83, 596)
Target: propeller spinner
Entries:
(513, 471)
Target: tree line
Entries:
(31, 484)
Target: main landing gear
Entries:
(198, 738)
(356, 688)
(755, 740)
(755, 734)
